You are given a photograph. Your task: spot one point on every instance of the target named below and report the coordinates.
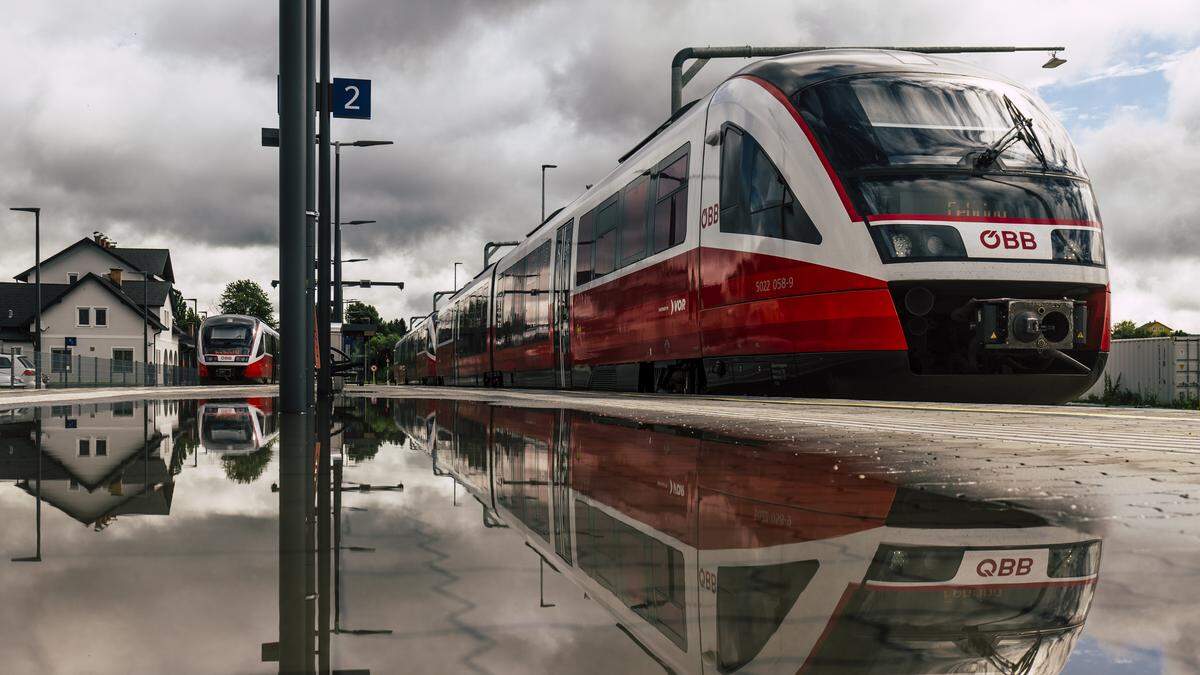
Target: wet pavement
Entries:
(518, 532)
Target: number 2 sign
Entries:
(351, 98)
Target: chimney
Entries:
(114, 273)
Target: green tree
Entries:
(245, 296)
(359, 312)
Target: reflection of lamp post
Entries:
(37, 430)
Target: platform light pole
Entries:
(544, 167)
(337, 252)
(337, 209)
(702, 55)
(324, 231)
(37, 280)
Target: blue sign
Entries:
(69, 342)
(351, 98)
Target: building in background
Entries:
(96, 298)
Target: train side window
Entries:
(670, 208)
(755, 198)
(606, 238)
(585, 247)
(633, 220)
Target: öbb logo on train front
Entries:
(993, 239)
(1005, 567)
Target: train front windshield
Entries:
(935, 144)
(229, 338)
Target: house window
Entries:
(83, 316)
(101, 316)
(72, 277)
(85, 447)
(122, 360)
(122, 409)
(15, 350)
(101, 447)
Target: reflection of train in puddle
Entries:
(719, 555)
(237, 427)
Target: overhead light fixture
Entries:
(1054, 61)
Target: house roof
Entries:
(157, 293)
(21, 300)
(156, 261)
(18, 302)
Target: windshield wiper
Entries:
(1021, 130)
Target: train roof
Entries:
(794, 72)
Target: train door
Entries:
(561, 311)
(758, 240)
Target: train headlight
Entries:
(918, 242)
(1077, 246)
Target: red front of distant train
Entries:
(236, 348)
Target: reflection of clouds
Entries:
(472, 593)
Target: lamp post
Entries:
(196, 312)
(544, 167)
(337, 206)
(337, 258)
(37, 281)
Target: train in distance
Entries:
(237, 348)
(844, 222)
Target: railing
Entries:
(66, 371)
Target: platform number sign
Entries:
(351, 98)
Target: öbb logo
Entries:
(1008, 239)
(1005, 567)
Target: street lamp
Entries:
(337, 258)
(337, 210)
(350, 260)
(544, 167)
(456, 264)
(196, 311)
(37, 280)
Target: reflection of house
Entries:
(98, 461)
(95, 297)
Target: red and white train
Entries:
(237, 348)
(719, 555)
(843, 222)
(413, 357)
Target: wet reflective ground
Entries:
(445, 536)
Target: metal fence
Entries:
(68, 370)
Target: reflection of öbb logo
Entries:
(1010, 240)
(1007, 567)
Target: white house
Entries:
(97, 301)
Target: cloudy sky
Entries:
(141, 119)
